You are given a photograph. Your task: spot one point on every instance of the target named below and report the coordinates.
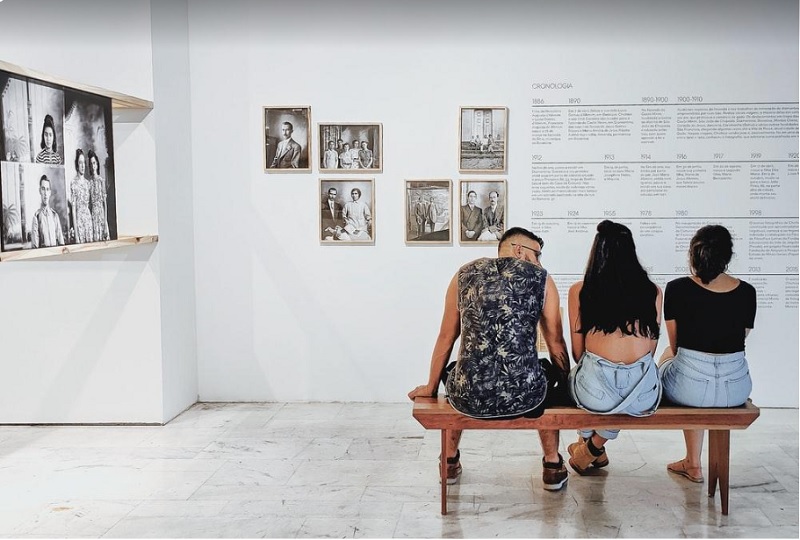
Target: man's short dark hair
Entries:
(43, 179)
(519, 231)
(289, 124)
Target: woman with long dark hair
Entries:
(97, 196)
(614, 319)
(80, 198)
(708, 315)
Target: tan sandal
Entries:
(680, 468)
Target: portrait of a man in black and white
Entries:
(483, 139)
(286, 139)
(358, 147)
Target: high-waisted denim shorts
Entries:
(601, 386)
(699, 379)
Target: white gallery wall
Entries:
(280, 317)
(82, 334)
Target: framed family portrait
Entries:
(428, 211)
(351, 148)
(483, 140)
(287, 137)
(57, 182)
(482, 211)
(347, 211)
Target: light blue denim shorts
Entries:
(601, 386)
(698, 379)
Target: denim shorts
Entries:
(698, 379)
(601, 386)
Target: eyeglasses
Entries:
(535, 251)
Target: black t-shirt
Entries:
(709, 321)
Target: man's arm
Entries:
(552, 329)
(296, 156)
(448, 333)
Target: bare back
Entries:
(615, 347)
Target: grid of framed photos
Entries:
(56, 165)
(347, 205)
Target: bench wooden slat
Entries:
(436, 413)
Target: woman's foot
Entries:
(682, 468)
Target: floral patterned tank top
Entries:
(498, 372)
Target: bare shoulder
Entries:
(576, 288)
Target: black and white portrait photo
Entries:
(482, 211)
(89, 168)
(287, 137)
(351, 148)
(483, 140)
(56, 165)
(347, 211)
(428, 204)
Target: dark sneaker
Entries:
(453, 468)
(554, 475)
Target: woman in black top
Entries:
(708, 315)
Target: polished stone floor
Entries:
(369, 470)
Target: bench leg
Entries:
(719, 443)
(443, 470)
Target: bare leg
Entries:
(598, 441)
(452, 444)
(694, 447)
(549, 440)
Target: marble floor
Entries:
(369, 470)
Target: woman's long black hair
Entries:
(616, 293)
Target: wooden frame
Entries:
(342, 222)
(489, 233)
(425, 193)
(371, 133)
(298, 157)
(483, 139)
(121, 241)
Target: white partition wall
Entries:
(81, 336)
(280, 317)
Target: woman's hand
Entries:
(420, 391)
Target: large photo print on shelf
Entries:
(56, 165)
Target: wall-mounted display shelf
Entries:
(122, 241)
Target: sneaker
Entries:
(453, 468)
(554, 475)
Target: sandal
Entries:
(680, 468)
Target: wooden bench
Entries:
(436, 413)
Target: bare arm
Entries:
(658, 319)
(578, 340)
(552, 327)
(448, 333)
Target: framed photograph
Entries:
(287, 137)
(483, 140)
(57, 182)
(351, 148)
(428, 211)
(347, 211)
(482, 211)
